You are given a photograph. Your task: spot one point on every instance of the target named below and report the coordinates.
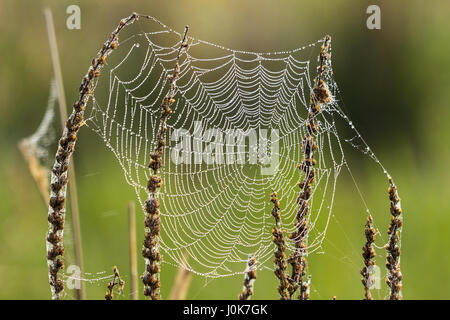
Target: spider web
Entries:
(40, 141)
(218, 211)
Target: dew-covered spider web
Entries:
(234, 136)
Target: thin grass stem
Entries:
(133, 255)
(182, 282)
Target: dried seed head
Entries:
(393, 259)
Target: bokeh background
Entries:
(394, 84)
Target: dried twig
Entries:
(249, 279)
(117, 281)
(150, 250)
(59, 176)
(394, 278)
(182, 281)
(280, 253)
(368, 255)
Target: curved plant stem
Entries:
(59, 172)
(150, 250)
(74, 210)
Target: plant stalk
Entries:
(74, 209)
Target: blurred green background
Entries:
(394, 83)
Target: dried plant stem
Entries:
(80, 292)
(182, 281)
(117, 281)
(368, 255)
(319, 95)
(74, 209)
(66, 147)
(249, 279)
(133, 255)
(150, 250)
(280, 253)
(394, 278)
